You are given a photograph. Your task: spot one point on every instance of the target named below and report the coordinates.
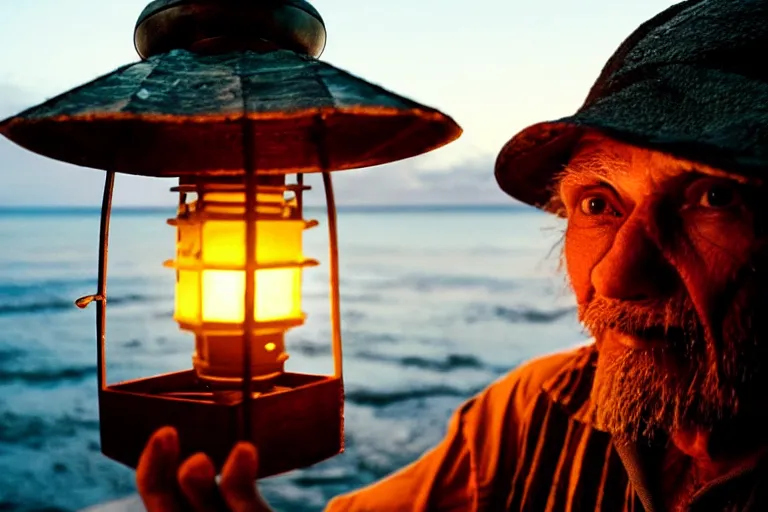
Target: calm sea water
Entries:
(436, 305)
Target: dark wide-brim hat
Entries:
(692, 81)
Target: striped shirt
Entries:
(528, 443)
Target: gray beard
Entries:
(640, 394)
(696, 380)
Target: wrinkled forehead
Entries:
(598, 157)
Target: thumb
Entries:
(156, 472)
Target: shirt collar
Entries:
(571, 386)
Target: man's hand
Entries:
(166, 486)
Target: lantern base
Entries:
(296, 424)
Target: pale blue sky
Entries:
(495, 66)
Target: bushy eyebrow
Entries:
(598, 163)
(592, 165)
(597, 160)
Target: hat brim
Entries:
(707, 116)
(527, 164)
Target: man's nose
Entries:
(634, 268)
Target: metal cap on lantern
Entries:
(230, 99)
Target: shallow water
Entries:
(436, 305)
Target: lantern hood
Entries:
(194, 109)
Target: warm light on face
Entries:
(211, 273)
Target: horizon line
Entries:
(393, 208)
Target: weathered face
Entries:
(669, 269)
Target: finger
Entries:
(238, 480)
(197, 480)
(156, 472)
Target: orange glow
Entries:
(278, 296)
(211, 255)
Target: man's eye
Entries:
(719, 195)
(596, 205)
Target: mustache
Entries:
(673, 319)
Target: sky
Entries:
(495, 66)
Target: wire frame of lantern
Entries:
(230, 99)
(278, 410)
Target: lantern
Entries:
(211, 273)
(231, 99)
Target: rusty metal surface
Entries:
(181, 113)
(298, 424)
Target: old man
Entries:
(659, 176)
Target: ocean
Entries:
(437, 303)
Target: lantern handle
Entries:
(101, 297)
(84, 302)
(333, 244)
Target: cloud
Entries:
(419, 181)
(30, 179)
